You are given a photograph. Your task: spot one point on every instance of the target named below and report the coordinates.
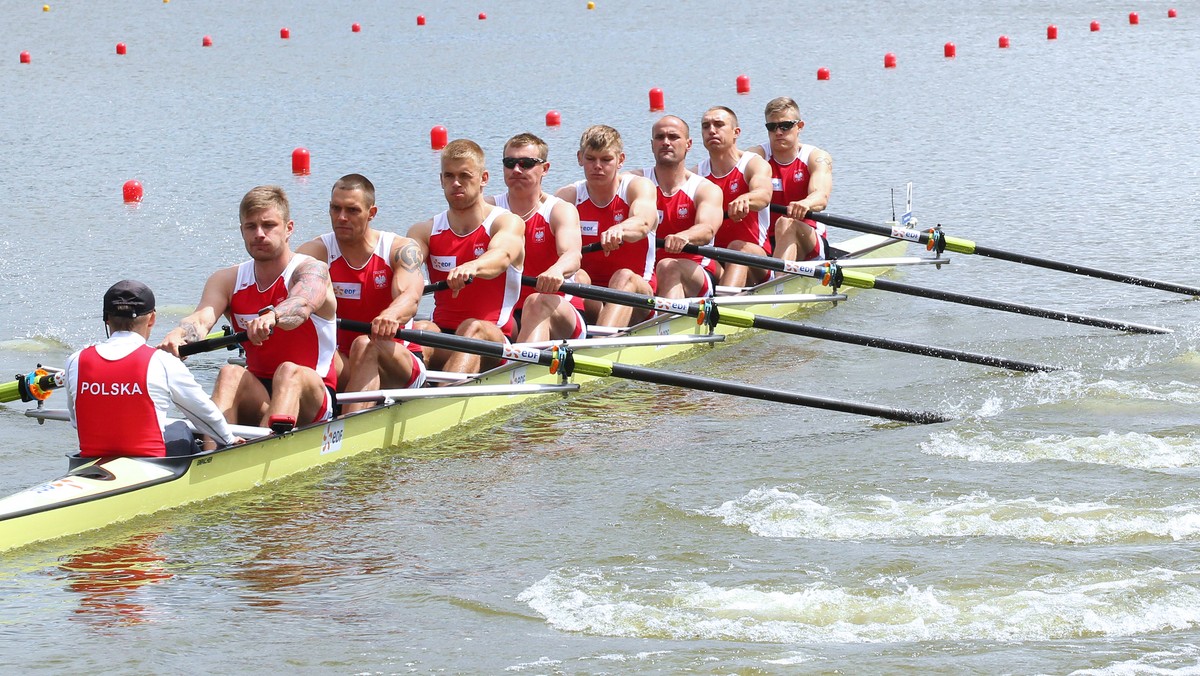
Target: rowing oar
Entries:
(562, 360)
(833, 274)
(33, 386)
(708, 312)
(214, 341)
(934, 239)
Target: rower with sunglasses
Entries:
(552, 244)
(689, 208)
(801, 177)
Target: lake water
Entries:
(1053, 527)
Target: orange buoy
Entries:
(1051, 32)
(285, 33)
(132, 192)
(121, 48)
(482, 16)
(420, 19)
(553, 118)
(1171, 14)
(949, 50)
(889, 60)
(46, 8)
(656, 100)
(591, 5)
(822, 73)
(355, 28)
(1003, 42)
(24, 57)
(206, 41)
(301, 162)
(438, 137)
(1133, 19)
(1095, 26)
(743, 84)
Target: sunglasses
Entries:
(525, 163)
(786, 125)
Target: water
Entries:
(1052, 528)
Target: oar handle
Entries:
(434, 287)
(210, 344)
(592, 248)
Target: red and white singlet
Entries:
(362, 293)
(311, 344)
(489, 300)
(789, 182)
(755, 226)
(541, 249)
(114, 411)
(594, 219)
(678, 213)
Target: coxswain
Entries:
(477, 249)
(552, 244)
(689, 208)
(801, 178)
(285, 304)
(616, 210)
(745, 182)
(119, 391)
(377, 279)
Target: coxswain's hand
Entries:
(739, 208)
(238, 440)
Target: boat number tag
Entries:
(331, 438)
(906, 234)
(590, 228)
(525, 354)
(799, 268)
(678, 307)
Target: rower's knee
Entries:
(476, 328)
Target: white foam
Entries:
(1159, 662)
(1129, 449)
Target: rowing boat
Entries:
(97, 493)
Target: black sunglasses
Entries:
(786, 125)
(525, 162)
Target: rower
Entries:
(478, 250)
(617, 211)
(376, 278)
(801, 178)
(745, 182)
(689, 208)
(119, 391)
(552, 244)
(284, 302)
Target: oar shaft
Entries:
(209, 344)
(10, 391)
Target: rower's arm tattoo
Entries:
(310, 286)
(191, 331)
(408, 257)
(825, 160)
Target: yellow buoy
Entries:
(45, 8)
(591, 5)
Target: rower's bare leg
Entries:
(794, 240)
(375, 365)
(679, 278)
(622, 315)
(240, 396)
(461, 362)
(342, 366)
(547, 317)
(297, 391)
(733, 274)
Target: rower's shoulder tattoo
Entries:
(408, 257)
(824, 159)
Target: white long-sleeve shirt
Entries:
(167, 380)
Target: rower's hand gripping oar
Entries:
(935, 240)
(214, 341)
(831, 274)
(708, 312)
(562, 360)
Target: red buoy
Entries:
(301, 162)
(420, 19)
(1095, 26)
(24, 57)
(1171, 14)
(822, 73)
(1051, 32)
(553, 119)
(355, 28)
(285, 33)
(656, 100)
(132, 192)
(889, 60)
(743, 84)
(206, 41)
(121, 49)
(438, 137)
(482, 16)
(1003, 42)
(1133, 19)
(949, 50)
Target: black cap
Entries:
(128, 298)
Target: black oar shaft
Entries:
(209, 344)
(602, 368)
